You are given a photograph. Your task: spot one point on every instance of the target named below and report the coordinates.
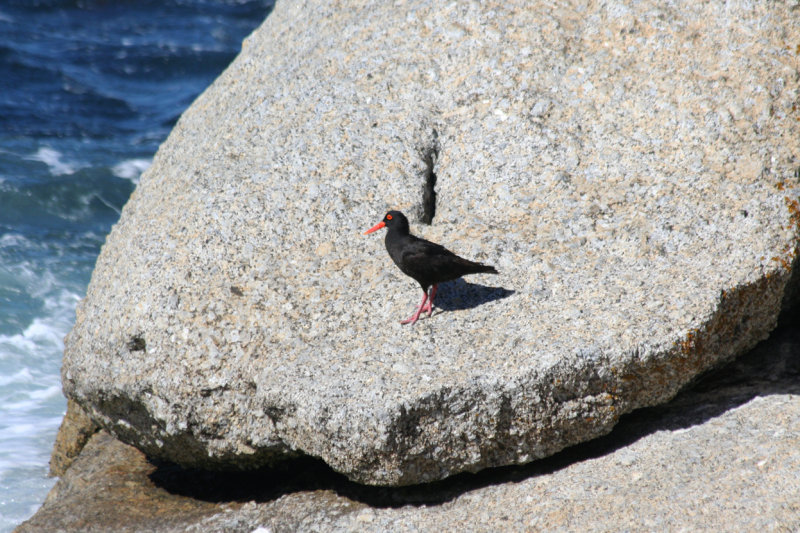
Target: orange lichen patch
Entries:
(787, 257)
(611, 389)
(730, 331)
(691, 344)
(790, 251)
(793, 205)
(770, 276)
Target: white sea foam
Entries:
(22, 375)
(31, 402)
(89, 197)
(52, 158)
(131, 169)
(11, 239)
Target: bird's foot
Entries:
(427, 308)
(422, 307)
(413, 318)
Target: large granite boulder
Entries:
(628, 169)
(723, 455)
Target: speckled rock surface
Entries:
(723, 455)
(628, 170)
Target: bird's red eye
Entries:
(388, 217)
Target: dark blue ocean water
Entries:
(88, 90)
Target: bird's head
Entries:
(394, 220)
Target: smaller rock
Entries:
(75, 431)
(107, 488)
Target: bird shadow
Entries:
(459, 295)
(772, 367)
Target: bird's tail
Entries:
(480, 268)
(489, 269)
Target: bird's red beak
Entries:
(376, 227)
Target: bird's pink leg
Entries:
(429, 307)
(412, 319)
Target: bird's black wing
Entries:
(430, 263)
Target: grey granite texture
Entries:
(628, 169)
(724, 455)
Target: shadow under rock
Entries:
(459, 295)
(772, 367)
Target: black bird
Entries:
(427, 262)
